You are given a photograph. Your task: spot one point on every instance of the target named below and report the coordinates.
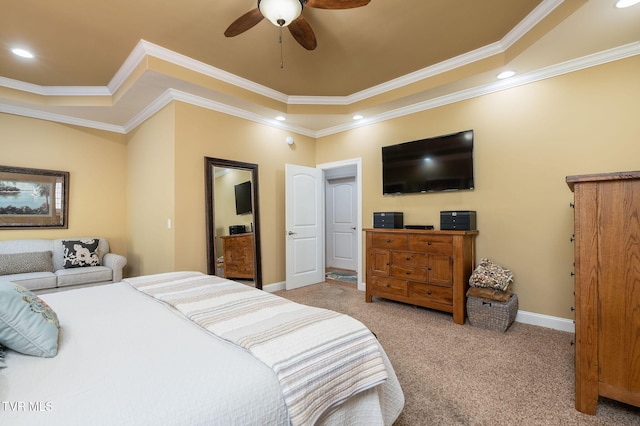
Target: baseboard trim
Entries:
(271, 288)
(547, 321)
(524, 317)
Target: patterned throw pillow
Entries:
(79, 253)
(489, 274)
(20, 263)
(27, 324)
(3, 364)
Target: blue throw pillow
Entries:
(27, 324)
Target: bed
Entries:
(127, 357)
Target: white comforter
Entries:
(125, 359)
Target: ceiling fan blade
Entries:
(243, 23)
(303, 33)
(336, 4)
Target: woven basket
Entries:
(496, 316)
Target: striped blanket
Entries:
(320, 357)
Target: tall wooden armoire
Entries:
(607, 288)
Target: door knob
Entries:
(291, 233)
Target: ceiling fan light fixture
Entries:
(280, 12)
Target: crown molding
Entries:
(171, 95)
(499, 47)
(54, 90)
(60, 118)
(622, 52)
(530, 21)
(210, 71)
(136, 56)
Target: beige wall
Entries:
(527, 140)
(151, 194)
(95, 161)
(203, 133)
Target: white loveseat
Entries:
(40, 264)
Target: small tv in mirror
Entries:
(243, 197)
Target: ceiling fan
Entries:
(287, 13)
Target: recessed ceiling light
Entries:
(506, 74)
(22, 53)
(358, 117)
(281, 118)
(621, 4)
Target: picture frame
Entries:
(33, 198)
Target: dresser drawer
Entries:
(409, 273)
(389, 241)
(389, 286)
(238, 269)
(441, 244)
(431, 293)
(407, 258)
(239, 241)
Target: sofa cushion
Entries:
(23, 246)
(19, 263)
(32, 280)
(80, 253)
(87, 275)
(27, 324)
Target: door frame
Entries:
(358, 163)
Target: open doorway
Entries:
(343, 227)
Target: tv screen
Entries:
(443, 163)
(243, 197)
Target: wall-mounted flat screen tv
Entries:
(443, 163)
(243, 197)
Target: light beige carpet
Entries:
(464, 375)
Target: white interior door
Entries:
(341, 215)
(304, 226)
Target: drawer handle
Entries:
(387, 285)
(408, 272)
(429, 268)
(388, 241)
(408, 258)
(428, 243)
(429, 292)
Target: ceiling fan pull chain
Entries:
(281, 59)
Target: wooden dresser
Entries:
(607, 288)
(239, 257)
(423, 268)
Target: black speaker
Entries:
(461, 220)
(393, 220)
(237, 229)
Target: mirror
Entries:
(233, 220)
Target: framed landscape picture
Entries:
(33, 198)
